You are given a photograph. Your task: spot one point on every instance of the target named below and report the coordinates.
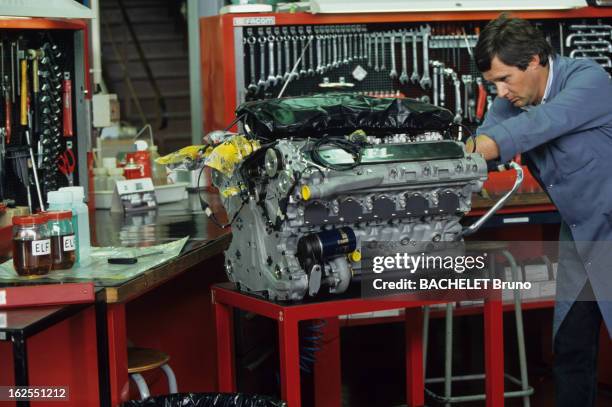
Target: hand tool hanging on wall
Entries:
(279, 55)
(25, 121)
(66, 163)
(55, 116)
(481, 100)
(403, 79)
(425, 81)
(33, 56)
(67, 105)
(18, 156)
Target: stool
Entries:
(448, 399)
(143, 359)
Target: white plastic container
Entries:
(109, 162)
(81, 231)
(114, 175)
(158, 171)
(100, 179)
(62, 201)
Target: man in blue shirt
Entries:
(557, 112)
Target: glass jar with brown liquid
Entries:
(31, 245)
(63, 246)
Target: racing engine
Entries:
(304, 204)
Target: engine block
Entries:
(299, 226)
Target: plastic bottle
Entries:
(62, 201)
(100, 179)
(61, 234)
(158, 171)
(114, 175)
(82, 222)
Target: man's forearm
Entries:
(485, 145)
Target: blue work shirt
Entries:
(567, 144)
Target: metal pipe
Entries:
(588, 51)
(520, 333)
(568, 40)
(517, 183)
(96, 48)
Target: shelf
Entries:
(27, 23)
(526, 305)
(416, 17)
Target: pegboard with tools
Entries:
(39, 145)
(252, 56)
(431, 62)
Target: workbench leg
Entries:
(117, 353)
(20, 361)
(104, 387)
(415, 382)
(289, 347)
(225, 348)
(494, 352)
(327, 371)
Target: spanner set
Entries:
(431, 62)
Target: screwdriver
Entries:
(130, 260)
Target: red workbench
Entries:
(225, 297)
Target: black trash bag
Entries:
(339, 114)
(206, 400)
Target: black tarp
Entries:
(340, 114)
(206, 400)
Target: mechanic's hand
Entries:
(485, 145)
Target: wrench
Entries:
(382, 51)
(369, 49)
(303, 70)
(414, 78)
(467, 84)
(441, 72)
(364, 45)
(311, 68)
(328, 50)
(404, 76)
(425, 80)
(393, 72)
(294, 41)
(287, 54)
(458, 110)
(271, 81)
(279, 56)
(335, 40)
(351, 45)
(319, 39)
(435, 65)
(262, 83)
(345, 59)
(252, 87)
(376, 66)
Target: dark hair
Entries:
(514, 41)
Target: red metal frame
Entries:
(288, 316)
(46, 294)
